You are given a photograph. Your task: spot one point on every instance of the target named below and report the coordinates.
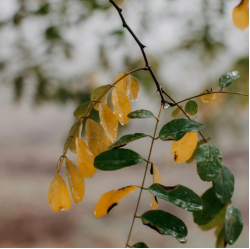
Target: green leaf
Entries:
(117, 159)
(233, 224)
(178, 195)
(141, 114)
(218, 229)
(209, 162)
(211, 208)
(191, 108)
(220, 242)
(166, 224)
(83, 109)
(127, 139)
(191, 159)
(228, 78)
(224, 185)
(176, 112)
(140, 245)
(177, 128)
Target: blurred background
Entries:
(53, 54)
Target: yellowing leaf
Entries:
(154, 203)
(122, 84)
(76, 181)
(108, 122)
(58, 195)
(111, 199)
(241, 15)
(97, 139)
(133, 87)
(97, 93)
(207, 98)
(85, 159)
(177, 112)
(184, 148)
(156, 179)
(122, 106)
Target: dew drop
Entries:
(235, 73)
(166, 107)
(62, 209)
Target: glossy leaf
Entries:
(166, 224)
(241, 15)
(76, 181)
(58, 195)
(184, 148)
(122, 106)
(141, 114)
(83, 109)
(156, 179)
(108, 122)
(220, 241)
(117, 159)
(127, 139)
(133, 87)
(98, 92)
(177, 112)
(177, 128)
(111, 199)
(191, 108)
(228, 78)
(223, 185)
(122, 84)
(178, 195)
(233, 224)
(140, 245)
(85, 159)
(211, 208)
(209, 162)
(97, 139)
(207, 98)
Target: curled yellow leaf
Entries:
(111, 199)
(97, 139)
(108, 122)
(184, 148)
(207, 98)
(122, 84)
(156, 179)
(133, 87)
(241, 15)
(58, 195)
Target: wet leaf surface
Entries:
(228, 78)
(141, 114)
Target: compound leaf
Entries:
(228, 78)
(191, 108)
(141, 114)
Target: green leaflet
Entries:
(220, 242)
(127, 139)
(228, 78)
(140, 245)
(116, 159)
(211, 208)
(209, 162)
(191, 108)
(166, 224)
(98, 92)
(223, 185)
(233, 224)
(83, 109)
(141, 114)
(177, 128)
(178, 195)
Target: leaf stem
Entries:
(129, 246)
(142, 187)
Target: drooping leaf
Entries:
(122, 106)
(177, 112)
(85, 159)
(141, 114)
(122, 84)
(97, 139)
(58, 195)
(185, 147)
(117, 159)
(177, 128)
(228, 78)
(76, 181)
(83, 109)
(233, 224)
(178, 195)
(98, 92)
(241, 15)
(156, 179)
(166, 224)
(111, 199)
(211, 208)
(127, 139)
(220, 241)
(133, 87)
(191, 108)
(208, 97)
(140, 245)
(209, 162)
(223, 185)
(108, 122)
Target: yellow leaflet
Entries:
(108, 122)
(156, 179)
(58, 195)
(184, 148)
(97, 139)
(122, 106)
(76, 181)
(177, 112)
(240, 15)
(133, 87)
(207, 98)
(97, 93)
(85, 159)
(111, 199)
(154, 204)
(122, 84)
